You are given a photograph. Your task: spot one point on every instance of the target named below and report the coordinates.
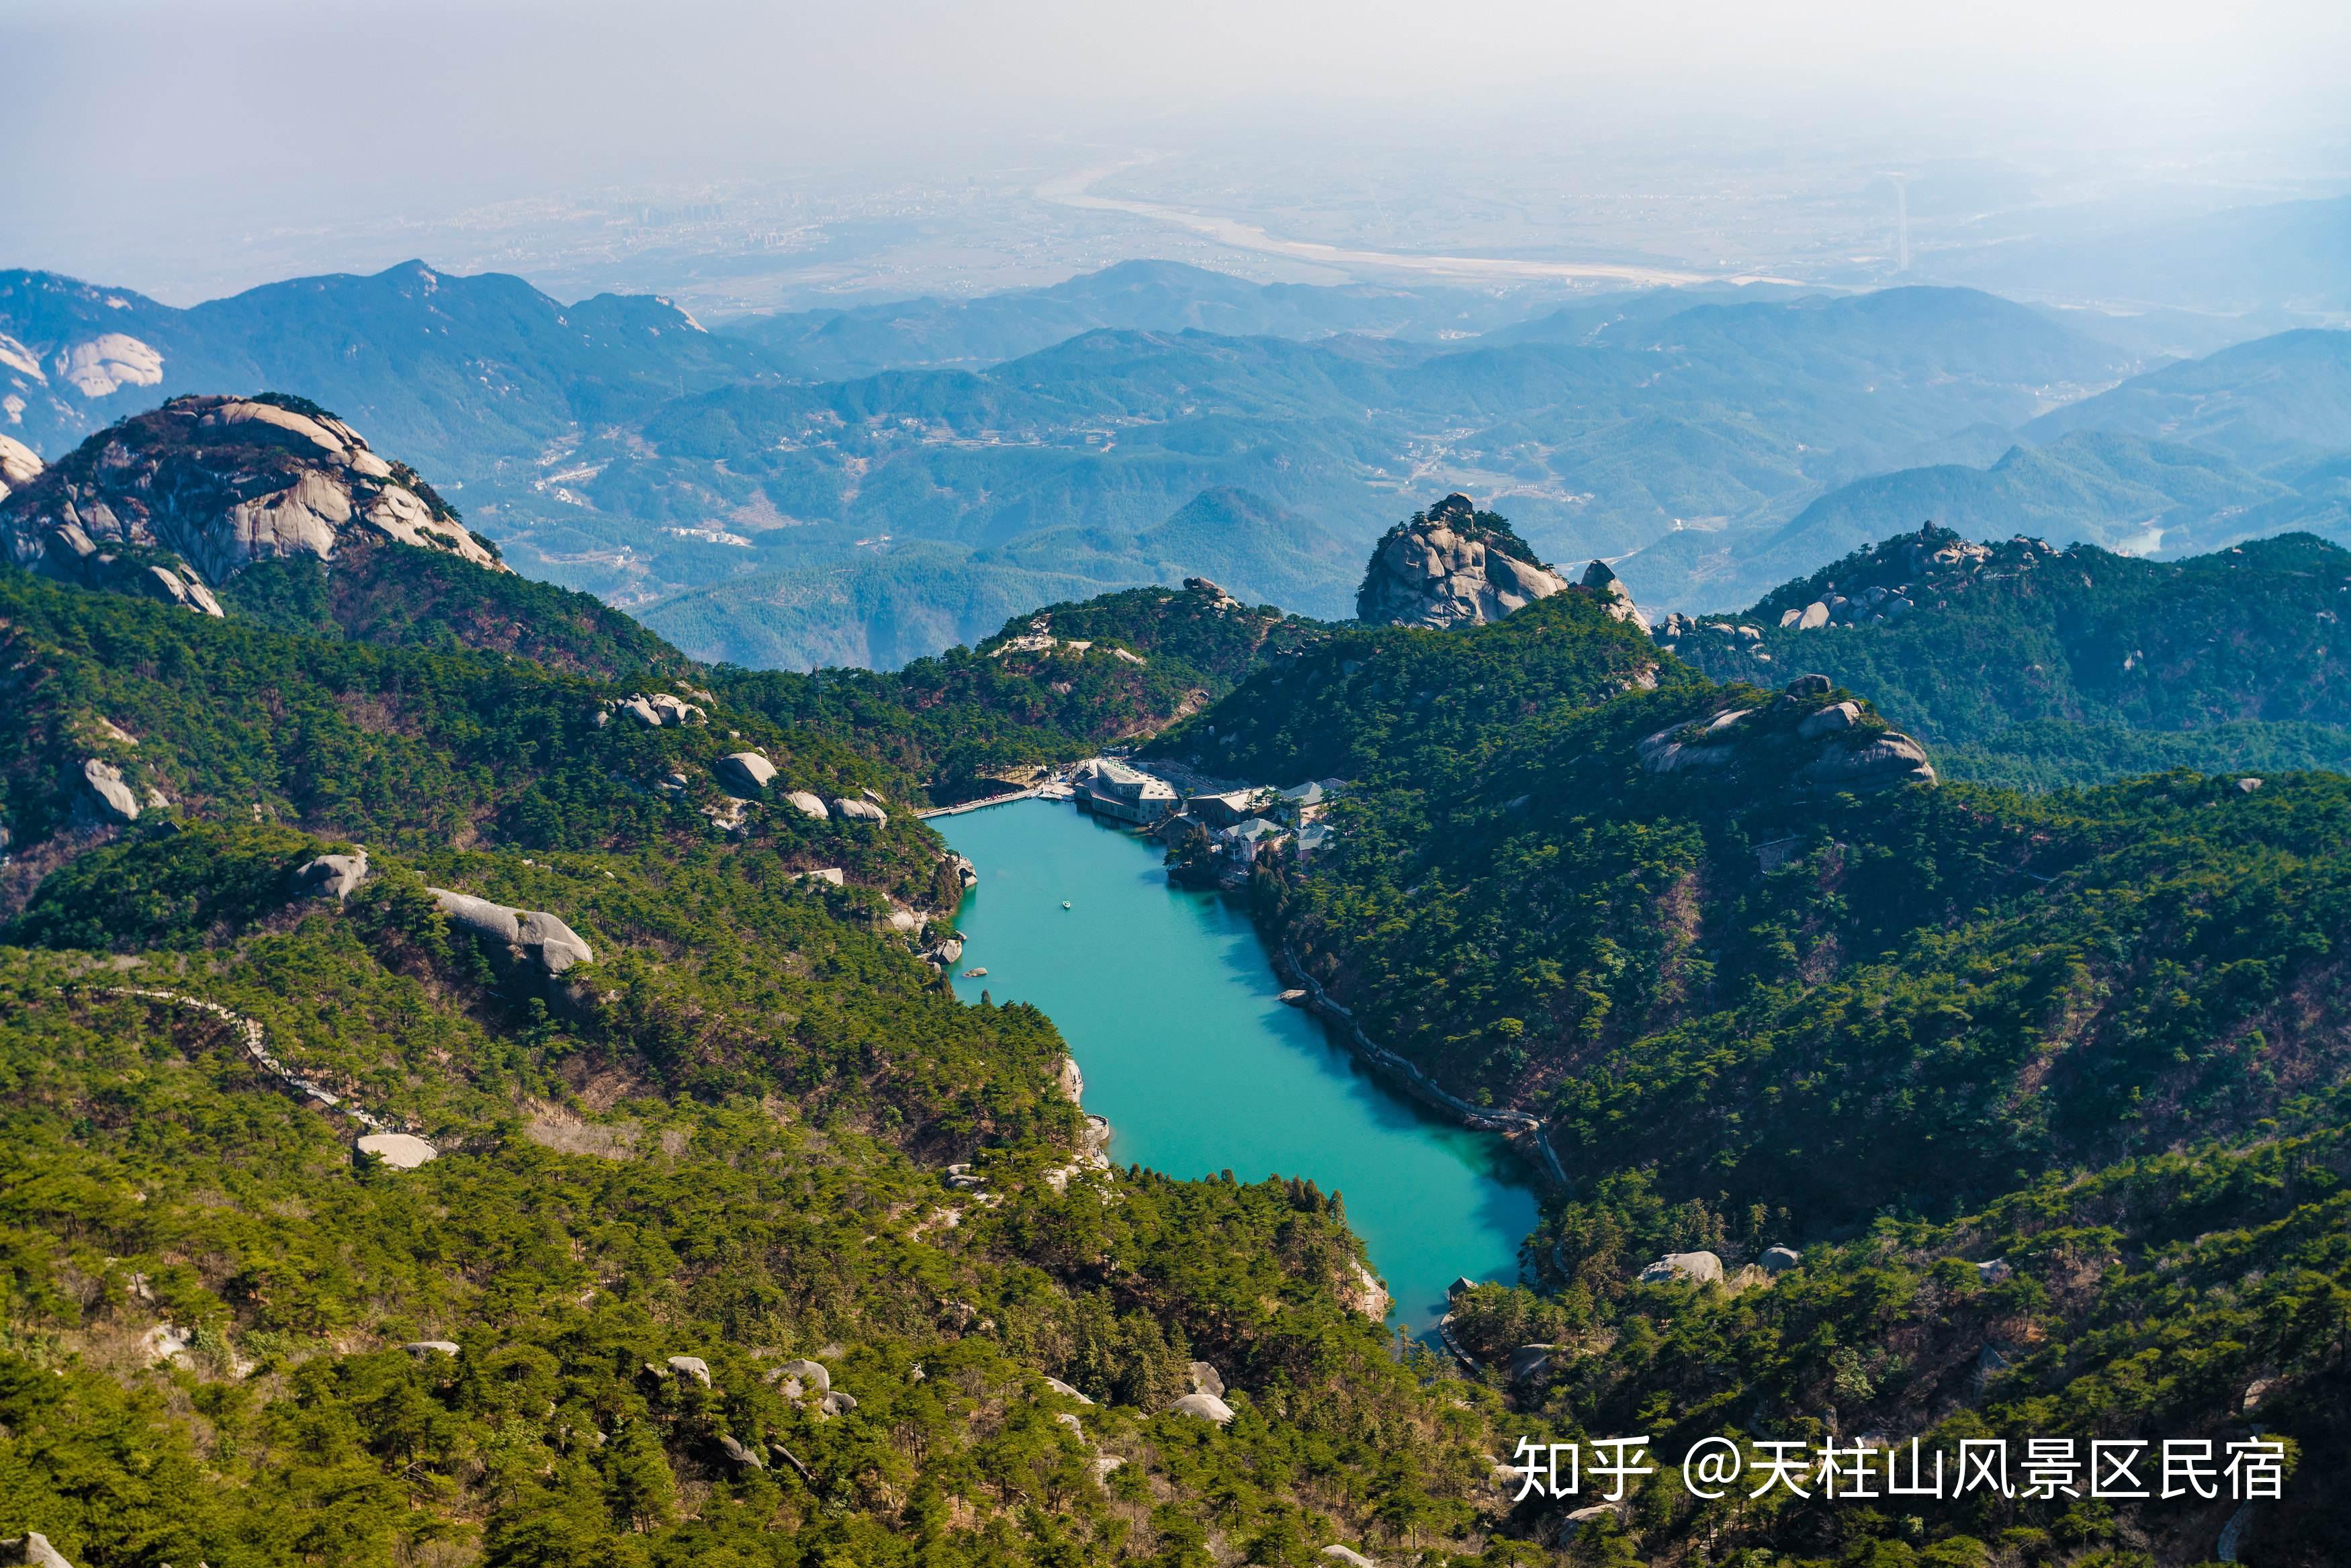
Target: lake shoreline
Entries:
(1169, 1002)
(1513, 1126)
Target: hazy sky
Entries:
(133, 126)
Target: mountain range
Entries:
(875, 483)
(931, 333)
(1591, 447)
(2247, 442)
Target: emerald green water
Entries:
(1173, 1014)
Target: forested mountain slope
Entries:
(2022, 664)
(1804, 389)
(2119, 493)
(1764, 981)
(718, 1132)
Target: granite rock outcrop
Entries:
(1452, 565)
(19, 465)
(174, 503)
(534, 934)
(1795, 740)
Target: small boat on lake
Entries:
(974, 973)
(1065, 903)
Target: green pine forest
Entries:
(2073, 1008)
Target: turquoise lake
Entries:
(1173, 1015)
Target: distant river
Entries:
(1172, 1010)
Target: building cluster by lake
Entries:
(1217, 837)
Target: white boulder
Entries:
(1699, 1268)
(33, 1550)
(109, 362)
(810, 1376)
(479, 916)
(19, 465)
(167, 1343)
(1577, 1521)
(333, 877)
(543, 937)
(401, 1151)
(751, 771)
(242, 412)
(1883, 761)
(1203, 1406)
(1830, 719)
(399, 512)
(556, 945)
(114, 796)
(1614, 597)
(303, 519)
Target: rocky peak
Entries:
(1602, 582)
(1884, 582)
(175, 501)
(1800, 741)
(1218, 599)
(1452, 565)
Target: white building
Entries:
(1109, 788)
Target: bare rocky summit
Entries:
(1603, 584)
(176, 502)
(1800, 738)
(1452, 565)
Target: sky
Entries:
(138, 126)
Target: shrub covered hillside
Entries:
(695, 1139)
(1049, 687)
(2047, 1090)
(2028, 665)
